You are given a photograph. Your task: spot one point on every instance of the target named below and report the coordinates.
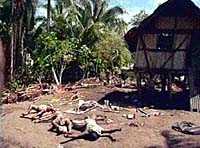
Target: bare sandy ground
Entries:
(152, 132)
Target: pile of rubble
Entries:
(30, 93)
(33, 92)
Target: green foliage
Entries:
(5, 15)
(112, 53)
(15, 85)
(87, 32)
(27, 74)
(138, 18)
(52, 52)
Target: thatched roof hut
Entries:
(167, 43)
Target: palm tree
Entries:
(98, 11)
(85, 20)
(5, 15)
(22, 22)
(138, 18)
(94, 16)
(48, 14)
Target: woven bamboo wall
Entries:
(177, 23)
(158, 59)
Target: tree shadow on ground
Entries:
(157, 100)
(88, 137)
(178, 141)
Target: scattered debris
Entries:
(20, 129)
(142, 124)
(133, 124)
(116, 108)
(84, 83)
(129, 116)
(186, 128)
(124, 115)
(74, 111)
(30, 93)
(60, 146)
(175, 88)
(156, 113)
(144, 114)
(106, 102)
(112, 111)
(76, 96)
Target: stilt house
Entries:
(167, 44)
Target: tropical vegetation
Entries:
(42, 48)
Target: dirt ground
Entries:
(152, 132)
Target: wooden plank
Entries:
(195, 103)
(178, 40)
(184, 40)
(158, 59)
(173, 54)
(146, 57)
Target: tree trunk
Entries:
(63, 66)
(55, 75)
(2, 66)
(48, 14)
(17, 24)
(12, 53)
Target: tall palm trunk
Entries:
(48, 14)
(12, 53)
(2, 66)
(15, 38)
(20, 25)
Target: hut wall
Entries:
(194, 79)
(157, 60)
(179, 38)
(150, 40)
(196, 22)
(165, 23)
(162, 59)
(184, 23)
(195, 75)
(139, 45)
(178, 23)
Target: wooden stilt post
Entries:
(139, 82)
(169, 90)
(163, 81)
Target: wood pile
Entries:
(34, 91)
(30, 93)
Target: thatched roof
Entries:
(171, 8)
(131, 39)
